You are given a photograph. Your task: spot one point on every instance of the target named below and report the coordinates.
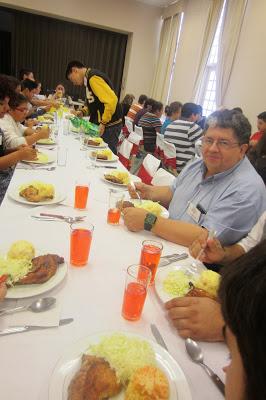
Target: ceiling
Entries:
(158, 3)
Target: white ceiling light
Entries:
(158, 3)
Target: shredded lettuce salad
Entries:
(15, 269)
(177, 283)
(125, 354)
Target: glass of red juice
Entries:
(116, 198)
(150, 256)
(81, 194)
(136, 286)
(80, 243)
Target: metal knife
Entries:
(166, 260)
(26, 328)
(158, 337)
(105, 166)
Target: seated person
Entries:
(183, 133)
(257, 157)
(126, 103)
(9, 159)
(37, 95)
(151, 124)
(261, 125)
(200, 317)
(216, 192)
(173, 113)
(14, 83)
(41, 101)
(25, 73)
(147, 107)
(59, 92)
(201, 121)
(16, 134)
(136, 107)
(29, 88)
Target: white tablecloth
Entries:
(91, 295)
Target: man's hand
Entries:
(27, 153)
(213, 252)
(30, 122)
(199, 318)
(44, 133)
(145, 191)
(134, 218)
(101, 129)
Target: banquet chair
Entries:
(162, 178)
(124, 153)
(129, 125)
(169, 159)
(159, 147)
(148, 168)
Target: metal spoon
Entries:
(196, 355)
(37, 306)
(132, 184)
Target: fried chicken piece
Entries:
(113, 178)
(101, 382)
(196, 292)
(92, 142)
(43, 268)
(102, 157)
(94, 381)
(76, 387)
(32, 194)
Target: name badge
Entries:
(193, 212)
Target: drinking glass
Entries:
(61, 156)
(81, 193)
(150, 256)
(92, 159)
(80, 243)
(116, 199)
(136, 286)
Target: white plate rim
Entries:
(25, 291)
(177, 379)
(124, 185)
(51, 158)
(14, 195)
(46, 144)
(101, 146)
(161, 274)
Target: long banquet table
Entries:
(91, 295)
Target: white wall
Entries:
(247, 86)
(128, 16)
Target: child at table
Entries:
(261, 125)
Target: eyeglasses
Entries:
(22, 109)
(221, 143)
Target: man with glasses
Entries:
(221, 192)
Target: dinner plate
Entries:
(134, 178)
(101, 146)
(70, 363)
(48, 141)
(14, 194)
(24, 291)
(162, 273)
(164, 213)
(113, 159)
(51, 158)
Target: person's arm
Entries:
(162, 194)
(106, 95)
(24, 153)
(37, 135)
(199, 318)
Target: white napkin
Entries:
(46, 318)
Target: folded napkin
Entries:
(47, 318)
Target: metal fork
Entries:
(69, 220)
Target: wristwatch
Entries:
(149, 221)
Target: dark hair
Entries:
(142, 98)
(262, 116)
(73, 64)
(167, 111)
(128, 99)
(23, 72)
(148, 103)
(238, 109)
(156, 106)
(174, 107)
(17, 99)
(242, 294)
(29, 84)
(189, 109)
(229, 119)
(5, 88)
(14, 82)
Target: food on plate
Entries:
(125, 354)
(104, 154)
(176, 283)
(46, 117)
(21, 267)
(148, 383)
(42, 269)
(148, 205)
(120, 177)
(37, 191)
(95, 380)
(93, 141)
(21, 250)
(46, 141)
(42, 158)
(208, 281)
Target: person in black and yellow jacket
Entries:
(102, 102)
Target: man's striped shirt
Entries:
(183, 134)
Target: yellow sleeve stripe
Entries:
(106, 95)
